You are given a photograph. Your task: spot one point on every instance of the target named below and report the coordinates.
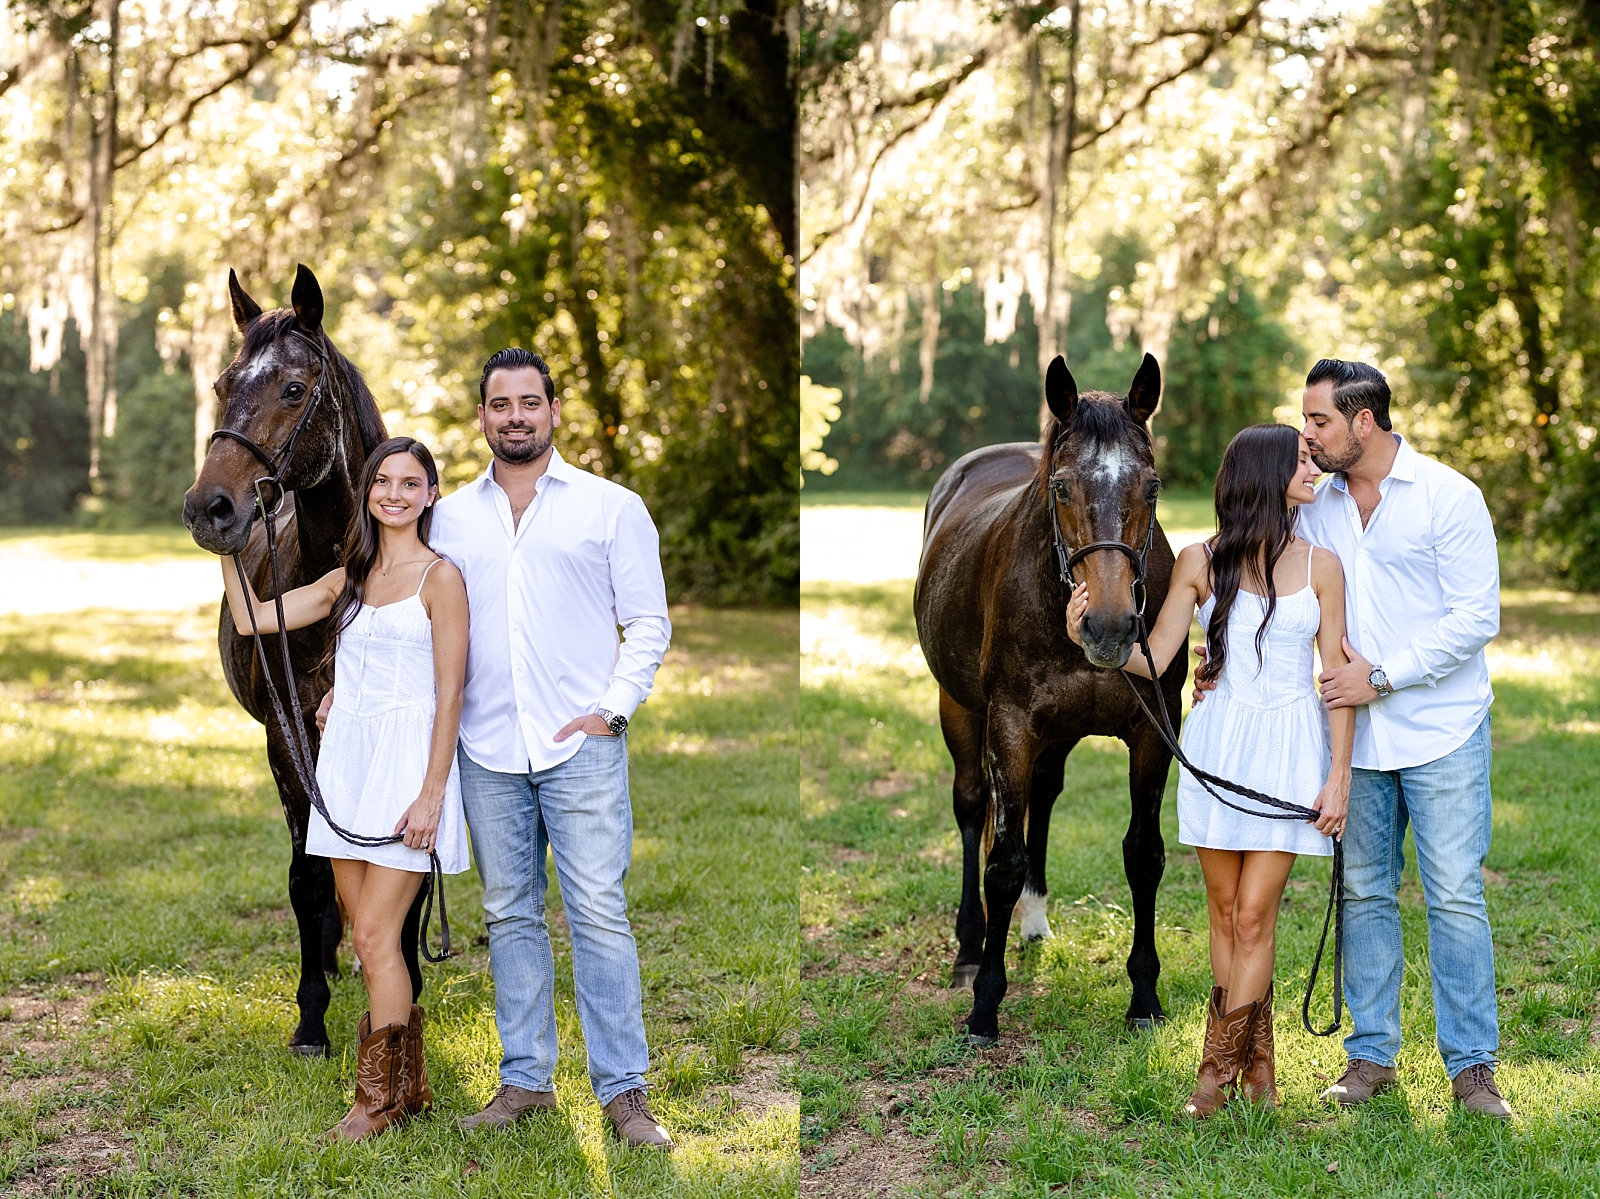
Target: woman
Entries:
(398, 638)
(1263, 595)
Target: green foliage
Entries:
(1225, 369)
(44, 430)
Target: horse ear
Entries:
(245, 309)
(1060, 389)
(307, 299)
(1144, 394)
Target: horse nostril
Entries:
(220, 511)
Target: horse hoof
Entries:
(309, 1050)
(979, 1040)
(1144, 1023)
(963, 977)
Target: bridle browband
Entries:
(295, 731)
(1161, 720)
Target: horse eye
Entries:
(294, 391)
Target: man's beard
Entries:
(1341, 459)
(516, 455)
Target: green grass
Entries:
(132, 545)
(143, 869)
(1070, 1102)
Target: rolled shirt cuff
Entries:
(621, 698)
(1407, 671)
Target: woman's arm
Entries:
(301, 606)
(445, 597)
(1333, 801)
(1171, 633)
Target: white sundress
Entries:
(1263, 727)
(374, 752)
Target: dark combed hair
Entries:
(361, 542)
(515, 358)
(1355, 386)
(1255, 525)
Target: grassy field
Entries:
(148, 957)
(114, 545)
(893, 1101)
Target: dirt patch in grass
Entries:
(74, 1159)
(854, 1165)
(760, 1090)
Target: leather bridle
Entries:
(1067, 557)
(294, 731)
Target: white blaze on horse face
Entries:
(265, 361)
(1112, 463)
(1031, 908)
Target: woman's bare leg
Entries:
(1221, 868)
(1255, 923)
(378, 898)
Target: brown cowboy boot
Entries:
(1258, 1076)
(379, 1065)
(417, 1095)
(1227, 1044)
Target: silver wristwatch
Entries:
(617, 724)
(1379, 681)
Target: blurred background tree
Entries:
(612, 185)
(1238, 188)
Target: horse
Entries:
(1015, 694)
(295, 410)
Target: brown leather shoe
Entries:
(380, 1066)
(635, 1123)
(1227, 1044)
(1258, 1076)
(1360, 1082)
(1474, 1089)
(508, 1106)
(416, 1096)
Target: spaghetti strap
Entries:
(1310, 550)
(431, 565)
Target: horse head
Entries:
(277, 431)
(1099, 476)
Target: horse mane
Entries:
(1099, 418)
(267, 328)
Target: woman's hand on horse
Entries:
(420, 824)
(1076, 607)
(1333, 804)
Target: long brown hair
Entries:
(361, 541)
(1255, 525)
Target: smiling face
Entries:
(517, 417)
(1302, 488)
(400, 492)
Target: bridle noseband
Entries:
(1067, 557)
(277, 463)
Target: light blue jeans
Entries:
(579, 810)
(1447, 804)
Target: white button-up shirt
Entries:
(1422, 599)
(545, 598)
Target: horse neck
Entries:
(323, 512)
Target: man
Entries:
(1422, 600)
(555, 559)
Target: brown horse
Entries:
(1015, 695)
(292, 395)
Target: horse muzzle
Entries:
(215, 520)
(1108, 642)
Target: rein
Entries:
(295, 731)
(1334, 918)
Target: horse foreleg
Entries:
(310, 894)
(963, 734)
(1048, 773)
(1144, 860)
(332, 934)
(1009, 751)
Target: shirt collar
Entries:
(558, 468)
(1403, 468)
